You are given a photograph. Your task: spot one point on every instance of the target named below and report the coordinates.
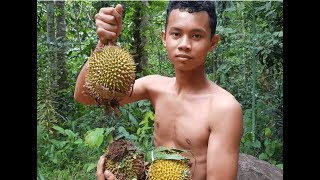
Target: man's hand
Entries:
(103, 174)
(109, 24)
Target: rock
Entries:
(252, 168)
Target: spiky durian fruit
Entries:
(125, 161)
(169, 164)
(110, 75)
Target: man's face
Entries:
(188, 38)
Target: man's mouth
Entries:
(183, 56)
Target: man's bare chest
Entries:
(184, 123)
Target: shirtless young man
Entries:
(191, 112)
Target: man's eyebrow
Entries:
(200, 30)
(175, 28)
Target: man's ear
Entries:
(214, 42)
(163, 37)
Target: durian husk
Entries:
(125, 161)
(110, 76)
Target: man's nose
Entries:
(185, 43)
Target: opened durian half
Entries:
(169, 164)
(110, 76)
(125, 161)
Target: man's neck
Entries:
(190, 82)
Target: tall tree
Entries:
(141, 22)
(56, 41)
(51, 41)
(61, 46)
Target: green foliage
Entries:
(251, 32)
(145, 131)
(60, 155)
(47, 115)
(267, 146)
(137, 124)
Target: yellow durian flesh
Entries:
(168, 169)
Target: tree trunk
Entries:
(61, 46)
(140, 21)
(56, 40)
(51, 49)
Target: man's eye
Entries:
(196, 36)
(175, 34)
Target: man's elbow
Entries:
(83, 99)
(76, 97)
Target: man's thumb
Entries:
(119, 8)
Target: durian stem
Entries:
(109, 43)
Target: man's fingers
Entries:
(106, 36)
(101, 177)
(101, 174)
(106, 26)
(118, 9)
(109, 24)
(109, 176)
(101, 161)
(100, 168)
(110, 14)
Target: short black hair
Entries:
(195, 6)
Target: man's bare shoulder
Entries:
(225, 105)
(154, 79)
(224, 100)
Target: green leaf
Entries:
(108, 131)
(158, 156)
(270, 149)
(256, 144)
(59, 129)
(70, 134)
(148, 115)
(160, 149)
(249, 137)
(108, 135)
(280, 33)
(263, 156)
(95, 137)
(267, 132)
(122, 130)
(167, 153)
(133, 137)
(109, 139)
(266, 142)
(78, 141)
(268, 5)
(91, 166)
(132, 119)
(169, 150)
(280, 166)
